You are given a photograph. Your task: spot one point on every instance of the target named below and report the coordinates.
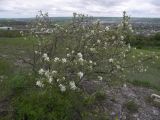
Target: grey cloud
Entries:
(67, 7)
(156, 2)
(107, 3)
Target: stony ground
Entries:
(117, 99)
(128, 102)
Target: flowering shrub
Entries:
(67, 55)
(67, 58)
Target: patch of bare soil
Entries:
(131, 103)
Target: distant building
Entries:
(6, 28)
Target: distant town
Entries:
(142, 26)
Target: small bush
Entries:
(131, 106)
(20, 82)
(100, 96)
(45, 105)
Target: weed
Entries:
(131, 106)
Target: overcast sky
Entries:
(111, 8)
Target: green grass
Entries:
(150, 78)
(5, 67)
(9, 47)
(16, 42)
(145, 83)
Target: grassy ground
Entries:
(151, 78)
(11, 47)
(20, 41)
(16, 81)
(10, 51)
(14, 46)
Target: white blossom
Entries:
(64, 60)
(54, 72)
(122, 37)
(36, 52)
(80, 74)
(21, 32)
(56, 59)
(111, 60)
(86, 47)
(130, 27)
(90, 61)
(72, 51)
(79, 55)
(129, 46)
(58, 80)
(47, 74)
(62, 88)
(113, 37)
(98, 41)
(124, 85)
(72, 85)
(81, 60)
(50, 79)
(41, 71)
(118, 66)
(39, 84)
(100, 78)
(141, 53)
(68, 55)
(45, 56)
(92, 49)
(119, 25)
(92, 31)
(46, 59)
(95, 63)
(107, 28)
(90, 67)
(39, 24)
(126, 22)
(124, 55)
(133, 56)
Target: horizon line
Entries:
(72, 16)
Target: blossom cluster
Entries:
(83, 50)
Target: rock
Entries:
(113, 114)
(156, 112)
(135, 115)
